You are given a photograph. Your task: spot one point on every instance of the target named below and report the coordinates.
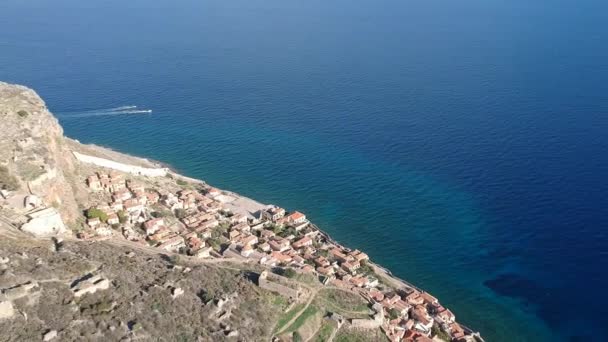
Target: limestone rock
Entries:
(90, 285)
(17, 292)
(49, 335)
(6, 309)
(177, 292)
(44, 222)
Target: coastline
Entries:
(254, 205)
(397, 282)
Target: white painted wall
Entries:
(136, 170)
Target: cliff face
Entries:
(34, 159)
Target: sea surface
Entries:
(462, 144)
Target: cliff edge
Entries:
(36, 168)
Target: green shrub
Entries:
(176, 259)
(439, 333)
(393, 314)
(289, 272)
(156, 306)
(96, 213)
(104, 306)
(181, 213)
(122, 216)
(286, 232)
(215, 244)
(277, 229)
(30, 171)
(366, 269)
(162, 213)
(218, 231)
(8, 181)
(22, 113)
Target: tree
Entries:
(277, 229)
(176, 259)
(96, 213)
(289, 272)
(8, 181)
(366, 268)
(122, 216)
(218, 231)
(214, 243)
(180, 213)
(287, 232)
(393, 313)
(162, 213)
(438, 332)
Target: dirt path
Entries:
(314, 334)
(313, 295)
(333, 333)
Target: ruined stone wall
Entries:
(274, 286)
(366, 323)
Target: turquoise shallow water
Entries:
(461, 144)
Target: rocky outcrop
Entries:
(49, 335)
(6, 309)
(9, 295)
(45, 222)
(90, 285)
(34, 158)
(18, 291)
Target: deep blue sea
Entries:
(462, 144)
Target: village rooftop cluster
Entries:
(196, 222)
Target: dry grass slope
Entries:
(138, 303)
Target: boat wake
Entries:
(122, 110)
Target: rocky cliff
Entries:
(34, 159)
